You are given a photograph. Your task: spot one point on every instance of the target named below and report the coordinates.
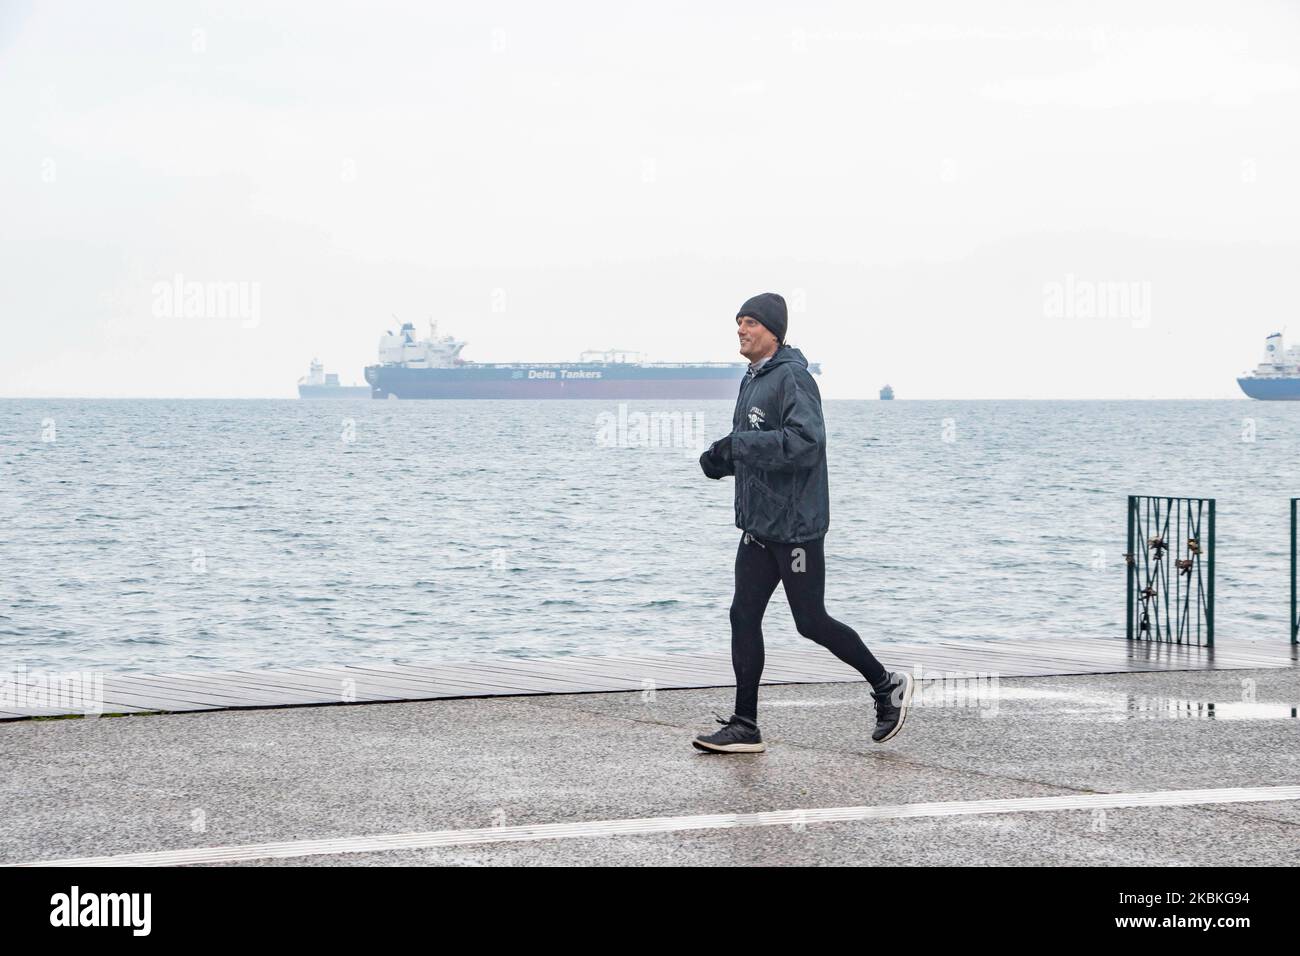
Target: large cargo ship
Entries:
(1277, 377)
(432, 368)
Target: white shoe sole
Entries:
(729, 748)
(902, 707)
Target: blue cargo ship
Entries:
(432, 368)
(1277, 377)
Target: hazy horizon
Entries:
(939, 196)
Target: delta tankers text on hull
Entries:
(1277, 377)
(432, 368)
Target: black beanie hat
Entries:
(769, 309)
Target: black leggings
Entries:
(801, 568)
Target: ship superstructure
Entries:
(1277, 376)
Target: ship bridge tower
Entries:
(1273, 353)
(404, 349)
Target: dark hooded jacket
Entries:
(778, 452)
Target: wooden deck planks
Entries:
(378, 683)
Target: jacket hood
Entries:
(783, 354)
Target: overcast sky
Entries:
(947, 193)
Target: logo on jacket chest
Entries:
(756, 417)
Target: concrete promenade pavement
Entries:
(103, 787)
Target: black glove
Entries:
(722, 451)
(716, 461)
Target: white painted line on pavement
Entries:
(720, 821)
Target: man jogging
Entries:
(777, 453)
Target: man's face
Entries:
(755, 339)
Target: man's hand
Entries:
(716, 460)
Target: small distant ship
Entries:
(411, 368)
(887, 393)
(1277, 377)
(318, 383)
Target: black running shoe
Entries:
(739, 735)
(891, 705)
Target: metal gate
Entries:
(1295, 622)
(1170, 561)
